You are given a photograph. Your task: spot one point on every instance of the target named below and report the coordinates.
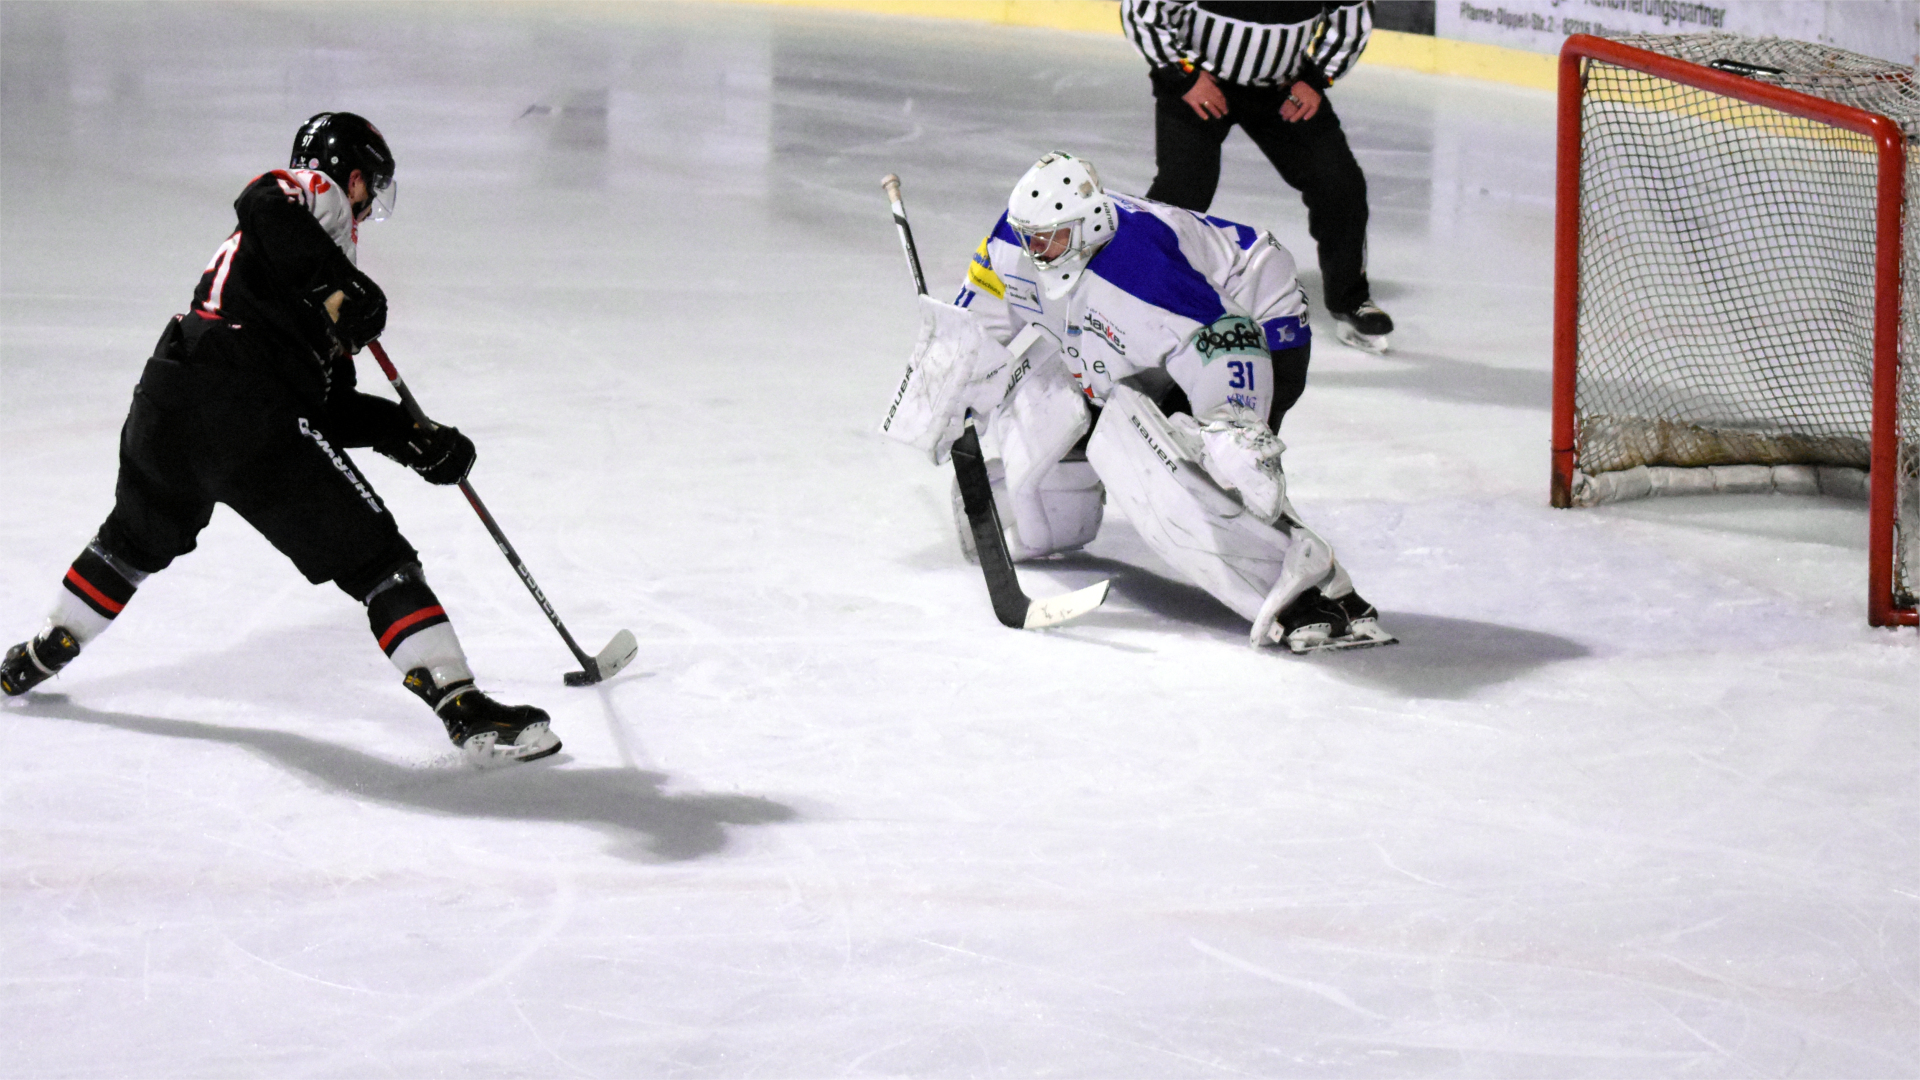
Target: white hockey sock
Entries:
(80, 620)
(436, 648)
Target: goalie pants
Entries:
(1312, 156)
(211, 423)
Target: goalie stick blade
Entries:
(618, 654)
(1060, 609)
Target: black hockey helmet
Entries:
(336, 143)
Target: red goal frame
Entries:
(1890, 144)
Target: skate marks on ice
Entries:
(645, 822)
(1430, 376)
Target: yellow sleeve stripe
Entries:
(980, 274)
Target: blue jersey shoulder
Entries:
(1144, 260)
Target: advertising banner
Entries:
(1879, 28)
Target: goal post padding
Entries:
(1731, 235)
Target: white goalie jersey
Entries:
(1204, 299)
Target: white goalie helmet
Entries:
(1062, 216)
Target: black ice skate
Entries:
(1365, 327)
(31, 663)
(488, 732)
(1314, 623)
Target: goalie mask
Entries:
(1062, 216)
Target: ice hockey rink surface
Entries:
(1636, 795)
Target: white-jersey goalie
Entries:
(1113, 348)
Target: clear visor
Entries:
(1048, 244)
(384, 189)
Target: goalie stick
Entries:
(1010, 603)
(603, 665)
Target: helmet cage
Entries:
(1061, 193)
(1038, 239)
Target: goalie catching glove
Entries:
(956, 368)
(439, 454)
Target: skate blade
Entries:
(1318, 637)
(1373, 343)
(535, 742)
(1359, 640)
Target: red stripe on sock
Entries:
(87, 589)
(401, 624)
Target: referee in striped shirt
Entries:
(1266, 67)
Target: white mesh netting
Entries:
(1726, 280)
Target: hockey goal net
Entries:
(1734, 229)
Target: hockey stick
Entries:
(604, 665)
(1010, 603)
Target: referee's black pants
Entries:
(1312, 156)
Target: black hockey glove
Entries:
(359, 312)
(439, 454)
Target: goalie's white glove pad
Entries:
(955, 366)
(1243, 455)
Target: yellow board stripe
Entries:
(1387, 48)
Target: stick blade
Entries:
(618, 654)
(1060, 609)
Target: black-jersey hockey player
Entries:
(250, 400)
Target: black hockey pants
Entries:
(211, 423)
(1312, 156)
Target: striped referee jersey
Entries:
(1251, 44)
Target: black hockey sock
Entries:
(97, 587)
(413, 629)
(401, 607)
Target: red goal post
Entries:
(1736, 406)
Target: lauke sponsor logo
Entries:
(1102, 327)
(340, 463)
(1229, 335)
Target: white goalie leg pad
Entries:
(1152, 471)
(1046, 504)
(1309, 563)
(1066, 509)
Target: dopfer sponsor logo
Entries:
(341, 464)
(1229, 335)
